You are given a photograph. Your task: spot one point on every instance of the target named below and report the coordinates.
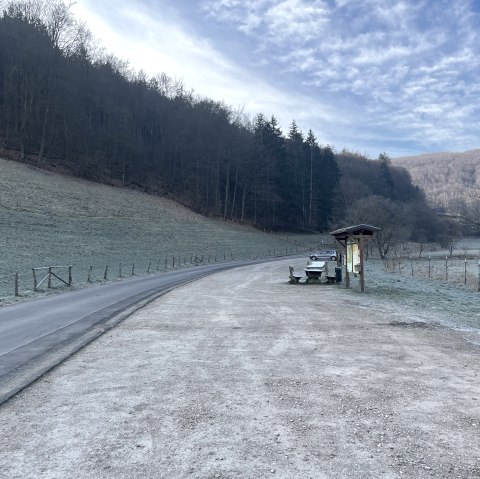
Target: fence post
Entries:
(120, 270)
(158, 265)
(411, 264)
(148, 269)
(133, 269)
(34, 280)
(429, 268)
(106, 273)
(465, 270)
(478, 282)
(166, 264)
(173, 262)
(89, 279)
(49, 277)
(69, 276)
(16, 283)
(446, 268)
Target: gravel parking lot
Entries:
(242, 375)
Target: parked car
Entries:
(324, 255)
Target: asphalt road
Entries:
(38, 334)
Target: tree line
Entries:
(66, 102)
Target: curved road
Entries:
(37, 335)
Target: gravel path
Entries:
(242, 375)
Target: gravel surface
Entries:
(242, 375)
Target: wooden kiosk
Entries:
(353, 239)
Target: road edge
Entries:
(28, 374)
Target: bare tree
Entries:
(452, 233)
(391, 217)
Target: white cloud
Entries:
(157, 44)
(362, 74)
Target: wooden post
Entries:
(148, 269)
(347, 275)
(89, 277)
(446, 268)
(16, 283)
(49, 277)
(69, 276)
(166, 264)
(361, 243)
(158, 265)
(133, 269)
(411, 264)
(34, 280)
(105, 277)
(465, 278)
(120, 270)
(173, 262)
(429, 266)
(478, 281)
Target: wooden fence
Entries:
(49, 276)
(63, 276)
(464, 271)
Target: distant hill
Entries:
(444, 177)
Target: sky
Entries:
(371, 76)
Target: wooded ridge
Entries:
(445, 178)
(66, 104)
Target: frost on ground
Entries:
(242, 375)
(48, 219)
(430, 300)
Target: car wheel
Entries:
(333, 258)
(313, 257)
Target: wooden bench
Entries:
(294, 277)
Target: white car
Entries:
(324, 255)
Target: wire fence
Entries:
(38, 279)
(459, 270)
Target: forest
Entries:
(66, 104)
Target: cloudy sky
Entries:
(372, 76)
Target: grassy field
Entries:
(49, 219)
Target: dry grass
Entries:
(49, 219)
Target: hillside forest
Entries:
(67, 105)
(451, 182)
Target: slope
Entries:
(51, 219)
(445, 177)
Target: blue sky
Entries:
(372, 76)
